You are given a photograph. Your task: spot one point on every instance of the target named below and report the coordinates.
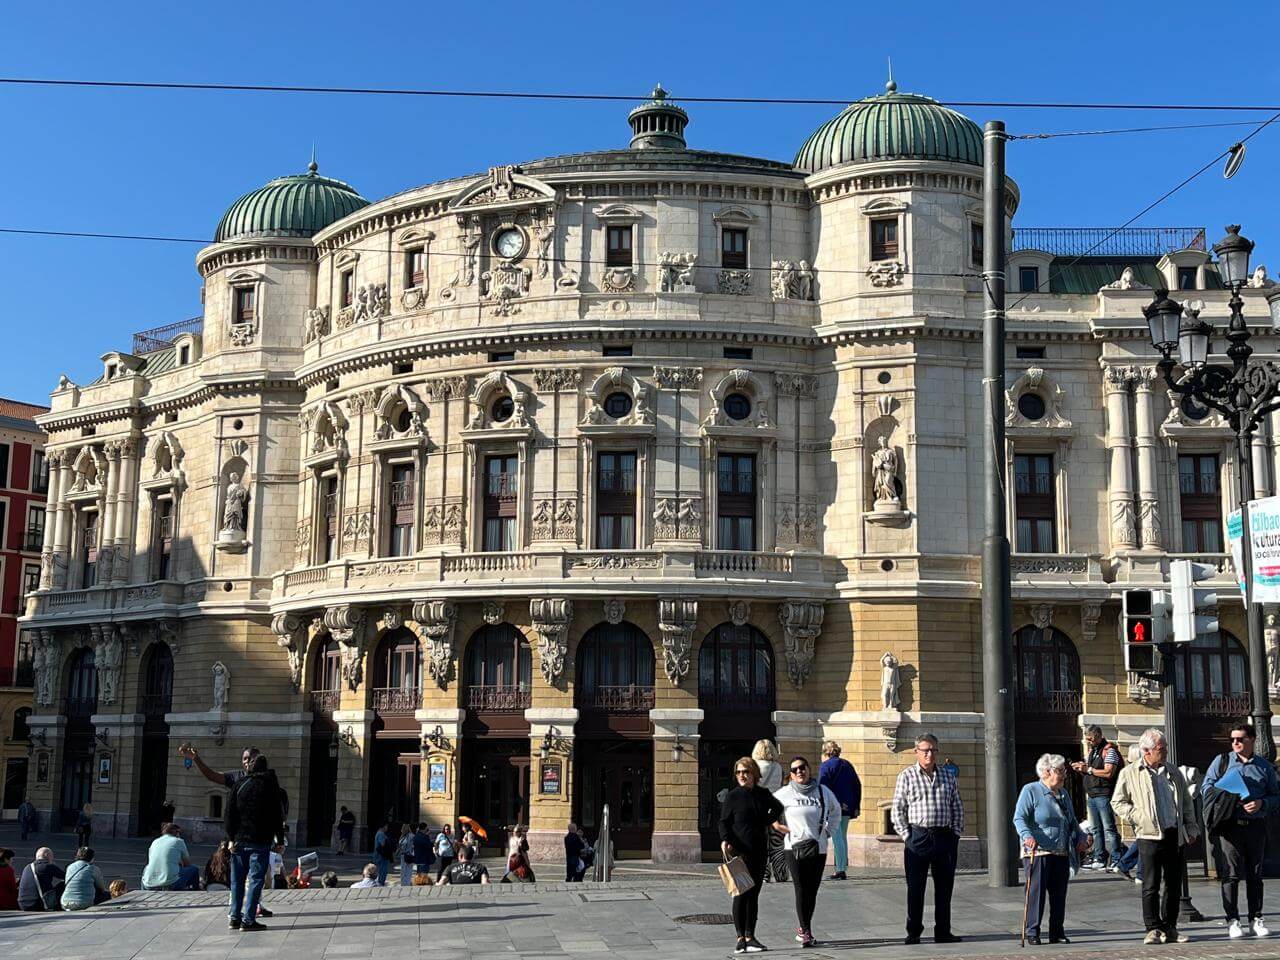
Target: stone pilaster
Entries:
(124, 518)
(1115, 383)
(550, 813)
(355, 747)
(442, 745)
(675, 786)
(53, 495)
(62, 525)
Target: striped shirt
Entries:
(920, 800)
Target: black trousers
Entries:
(1048, 879)
(806, 877)
(443, 866)
(1163, 863)
(746, 908)
(1243, 844)
(930, 850)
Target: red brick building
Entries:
(24, 481)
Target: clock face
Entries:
(509, 243)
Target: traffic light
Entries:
(1146, 623)
(1187, 599)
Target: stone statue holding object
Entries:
(884, 474)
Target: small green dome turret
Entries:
(892, 126)
(295, 206)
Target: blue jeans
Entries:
(1130, 861)
(1103, 820)
(840, 843)
(383, 865)
(248, 862)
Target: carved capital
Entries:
(801, 624)
(437, 618)
(291, 634)
(677, 619)
(346, 624)
(550, 618)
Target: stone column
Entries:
(675, 786)
(107, 520)
(1145, 441)
(355, 746)
(1115, 382)
(51, 508)
(550, 812)
(62, 532)
(125, 501)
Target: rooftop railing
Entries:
(1107, 241)
(157, 338)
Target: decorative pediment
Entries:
(504, 187)
(755, 389)
(486, 397)
(401, 415)
(618, 380)
(732, 216)
(1051, 397)
(884, 207)
(617, 213)
(328, 426)
(166, 462)
(88, 471)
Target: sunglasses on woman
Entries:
(799, 768)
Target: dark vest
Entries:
(1099, 786)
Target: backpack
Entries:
(387, 849)
(1219, 805)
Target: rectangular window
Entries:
(1201, 500)
(736, 501)
(33, 540)
(733, 248)
(415, 266)
(347, 287)
(400, 498)
(4, 524)
(30, 581)
(1029, 353)
(4, 465)
(329, 511)
(184, 354)
(618, 250)
(162, 537)
(737, 353)
(39, 472)
(1186, 278)
(399, 368)
(89, 549)
(502, 356)
(975, 244)
(1028, 279)
(244, 304)
(616, 501)
(501, 488)
(884, 238)
(1034, 503)
(616, 351)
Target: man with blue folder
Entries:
(1244, 836)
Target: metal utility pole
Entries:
(997, 606)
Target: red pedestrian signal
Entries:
(1140, 631)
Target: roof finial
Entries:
(312, 167)
(658, 94)
(890, 87)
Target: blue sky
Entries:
(169, 163)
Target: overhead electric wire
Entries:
(606, 97)
(1102, 133)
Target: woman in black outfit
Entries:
(747, 815)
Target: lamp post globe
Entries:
(1193, 339)
(1233, 257)
(1163, 318)
(1273, 307)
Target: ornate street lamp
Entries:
(1244, 393)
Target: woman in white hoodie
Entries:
(810, 810)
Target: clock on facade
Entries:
(509, 243)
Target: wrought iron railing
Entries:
(1108, 241)
(1223, 706)
(325, 701)
(734, 701)
(502, 484)
(1054, 703)
(632, 698)
(617, 481)
(397, 700)
(492, 698)
(401, 492)
(157, 338)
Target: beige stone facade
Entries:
(467, 516)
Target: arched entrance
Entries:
(155, 701)
(497, 689)
(1047, 703)
(736, 693)
(1213, 693)
(77, 746)
(613, 743)
(324, 697)
(395, 767)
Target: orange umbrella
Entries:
(475, 827)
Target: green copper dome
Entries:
(892, 126)
(295, 206)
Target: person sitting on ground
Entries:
(84, 886)
(217, 870)
(117, 889)
(466, 870)
(368, 877)
(169, 865)
(329, 879)
(8, 882)
(423, 880)
(40, 886)
(292, 882)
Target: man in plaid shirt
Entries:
(928, 815)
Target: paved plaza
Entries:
(637, 918)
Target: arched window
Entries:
(157, 682)
(397, 672)
(82, 685)
(615, 669)
(1046, 671)
(20, 729)
(735, 670)
(499, 669)
(1213, 676)
(326, 676)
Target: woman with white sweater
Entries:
(810, 810)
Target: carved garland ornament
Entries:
(801, 623)
(677, 619)
(437, 619)
(550, 619)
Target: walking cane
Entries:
(1030, 848)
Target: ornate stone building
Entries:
(528, 492)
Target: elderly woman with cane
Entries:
(1052, 842)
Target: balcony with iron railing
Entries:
(402, 493)
(1049, 703)
(157, 338)
(325, 701)
(501, 485)
(1226, 706)
(631, 698)
(397, 701)
(498, 698)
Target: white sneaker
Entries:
(1235, 931)
(1093, 865)
(1260, 928)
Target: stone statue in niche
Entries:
(234, 507)
(221, 686)
(889, 682)
(884, 475)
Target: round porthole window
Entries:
(737, 406)
(617, 405)
(886, 565)
(1031, 406)
(884, 377)
(403, 420)
(1193, 410)
(502, 409)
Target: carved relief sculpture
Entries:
(290, 631)
(677, 378)
(544, 233)
(550, 619)
(1122, 525)
(618, 280)
(317, 324)
(1042, 615)
(677, 272)
(886, 273)
(437, 619)
(493, 612)
(740, 612)
(791, 280)
(614, 610)
(735, 283)
(346, 624)
(1149, 513)
(677, 619)
(108, 657)
(890, 678)
(504, 284)
(801, 624)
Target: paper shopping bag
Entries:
(736, 877)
